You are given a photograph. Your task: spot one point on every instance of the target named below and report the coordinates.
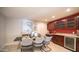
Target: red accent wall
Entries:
(51, 29)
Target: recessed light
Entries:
(64, 20)
(45, 19)
(68, 10)
(53, 16)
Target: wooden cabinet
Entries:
(67, 42)
(58, 40)
(67, 24)
(77, 21)
(70, 42)
(50, 27)
(77, 44)
(71, 23)
(59, 24)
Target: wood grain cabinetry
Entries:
(58, 40)
(71, 23)
(77, 44)
(77, 21)
(50, 27)
(59, 24)
(67, 24)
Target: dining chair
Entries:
(26, 43)
(46, 42)
(38, 42)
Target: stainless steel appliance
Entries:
(70, 43)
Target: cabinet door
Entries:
(55, 39)
(59, 24)
(61, 40)
(50, 27)
(58, 40)
(77, 44)
(71, 23)
(77, 18)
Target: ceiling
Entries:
(37, 13)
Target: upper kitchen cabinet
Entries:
(68, 24)
(50, 27)
(59, 24)
(77, 22)
(71, 23)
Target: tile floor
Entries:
(57, 48)
(54, 47)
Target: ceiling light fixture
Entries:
(53, 16)
(64, 20)
(68, 10)
(45, 19)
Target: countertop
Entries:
(65, 34)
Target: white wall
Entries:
(2, 31)
(16, 27)
(41, 27)
(13, 29)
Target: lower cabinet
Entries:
(67, 42)
(77, 44)
(58, 40)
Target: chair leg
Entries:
(49, 49)
(41, 49)
(33, 48)
(21, 50)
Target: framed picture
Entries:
(26, 26)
